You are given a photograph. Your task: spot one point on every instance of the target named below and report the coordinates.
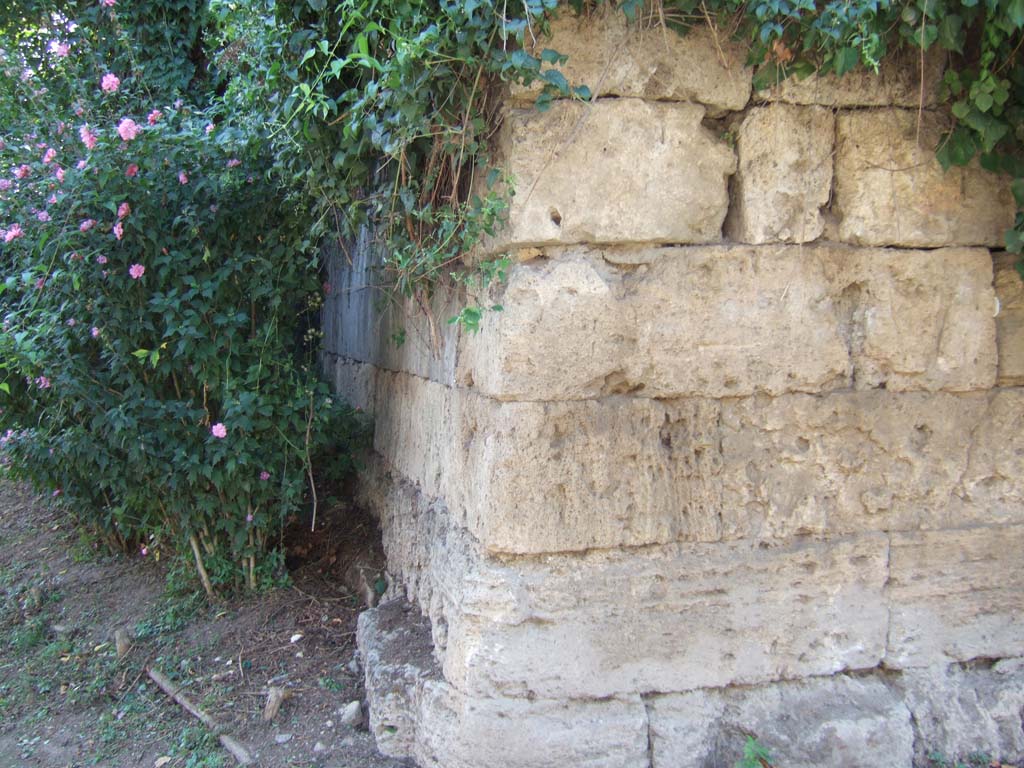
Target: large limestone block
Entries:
(1010, 320)
(615, 58)
(566, 476)
(956, 596)
(890, 189)
(670, 618)
(458, 731)
(784, 177)
(873, 460)
(960, 711)
(837, 721)
(612, 171)
(723, 321)
(395, 643)
(897, 83)
(355, 383)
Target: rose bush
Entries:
(158, 300)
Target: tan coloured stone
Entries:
(618, 170)
(724, 321)
(458, 731)
(837, 721)
(355, 383)
(550, 477)
(670, 618)
(784, 177)
(897, 83)
(956, 596)
(614, 58)
(890, 189)
(1010, 319)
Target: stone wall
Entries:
(742, 455)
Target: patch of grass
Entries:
(170, 615)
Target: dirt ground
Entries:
(68, 700)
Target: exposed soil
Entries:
(66, 699)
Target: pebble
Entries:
(329, 724)
(283, 738)
(353, 666)
(319, 747)
(352, 714)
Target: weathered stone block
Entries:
(890, 189)
(784, 177)
(956, 596)
(670, 618)
(1010, 319)
(355, 383)
(724, 321)
(458, 731)
(614, 58)
(873, 461)
(898, 83)
(397, 651)
(549, 477)
(611, 171)
(963, 711)
(839, 721)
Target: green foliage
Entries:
(160, 295)
(755, 755)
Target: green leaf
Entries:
(1017, 187)
(961, 109)
(957, 148)
(951, 35)
(983, 101)
(845, 59)
(5, 387)
(1015, 13)
(140, 353)
(551, 56)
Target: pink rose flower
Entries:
(51, 153)
(94, 332)
(119, 233)
(51, 200)
(234, 162)
(135, 270)
(5, 184)
(208, 128)
(153, 117)
(42, 382)
(43, 216)
(72, 322)
(86, 225)
(101, 259)
(219, 431)
(131, 170)
(40, 283)
(110, 83)
(182, 177)
(60, 50)
(88, 137)
(13, 233)
(264, 475)
(80, 165)
(123, 210)
(59, 173)
(249, 518)
(144, 550)
(128, 129)
(22, 171)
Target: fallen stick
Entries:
(240, 753)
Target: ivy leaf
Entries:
(557, 79)
(984, 101)
(551, 56)
(951, 33)
(845, 59)
(1015, 13)
(956, 148)
(582, 92)
(961, 109)
(1017, 187)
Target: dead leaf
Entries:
(161, 761)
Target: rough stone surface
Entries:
(355, 383)
(839, 721)
(460, 731)
(549, 477)
(724, 321)
(964, 710)
(784, 177)
(618, 170)
(394, 640)
(1010, 320)
(670, 618)
(898, 83)
(890, 189)
(648, 62)
(956, 596)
